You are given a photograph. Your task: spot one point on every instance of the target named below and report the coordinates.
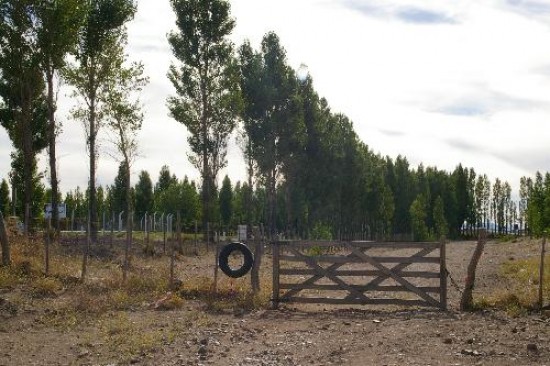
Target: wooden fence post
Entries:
(47, 251)
(541, 271)
(216, 254)
(275, 298)
(4, 243)
(255, 274)
(466, 301)
(443, 272)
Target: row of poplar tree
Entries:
(309, 175)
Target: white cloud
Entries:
(437, 81)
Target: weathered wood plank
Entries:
(355, 259)
(333, 301)
(335, 287)
(357, 244)
(358, 273)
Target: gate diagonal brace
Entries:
(317, 277)
(397, 278)
(397, 268)
(326, 273)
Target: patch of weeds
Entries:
(145, 284)
(170, 301)
(315, 251)
(522, 294)
(8, 278)
(227, 296)
(45, 287)
(119, 299)
(129, 339)
(507, 238)
(66, 319)
(513, 304)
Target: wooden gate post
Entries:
(443, 274)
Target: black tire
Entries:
(223, 260)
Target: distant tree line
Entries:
(309, 174)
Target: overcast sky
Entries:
(440, 82)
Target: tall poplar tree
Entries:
(99, 43)
(206, 83)
(22, 102)
(57, 25)
(5, 202)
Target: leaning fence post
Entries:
(541, 271)
(467, 295)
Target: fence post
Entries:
(541, 271)
(196, 239)
(216, 253)
(443, 273)
(112, 227)
(275, 298)
(255, 274)
(4, 243)
(467, 296)
(47, 253)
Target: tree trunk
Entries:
(92, 193)
(52, 155)
(129, 224)
(28, 158)
(249, 193)
(4, 243)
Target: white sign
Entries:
(61, 209)
(242, 232)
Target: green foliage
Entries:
(206, 83)
(118, 191)
(321, 231)
(180, 197)
(38, 191)
(273, 119)
(5, 202)
(418, 218)
(440, 223)
(164, 180)
(144, 194)
(226, 201)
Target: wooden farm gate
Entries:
(360, 272)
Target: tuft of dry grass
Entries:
(227, 294)
(522, 294)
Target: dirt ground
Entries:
(291, 335)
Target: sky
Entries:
(439, 82)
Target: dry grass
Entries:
(521, 296)
(73, 301)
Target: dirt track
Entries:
(294, 335)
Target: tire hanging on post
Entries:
(223, 260)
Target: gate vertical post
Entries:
(443, 274)
(275, 297)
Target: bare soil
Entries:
(32, 334)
